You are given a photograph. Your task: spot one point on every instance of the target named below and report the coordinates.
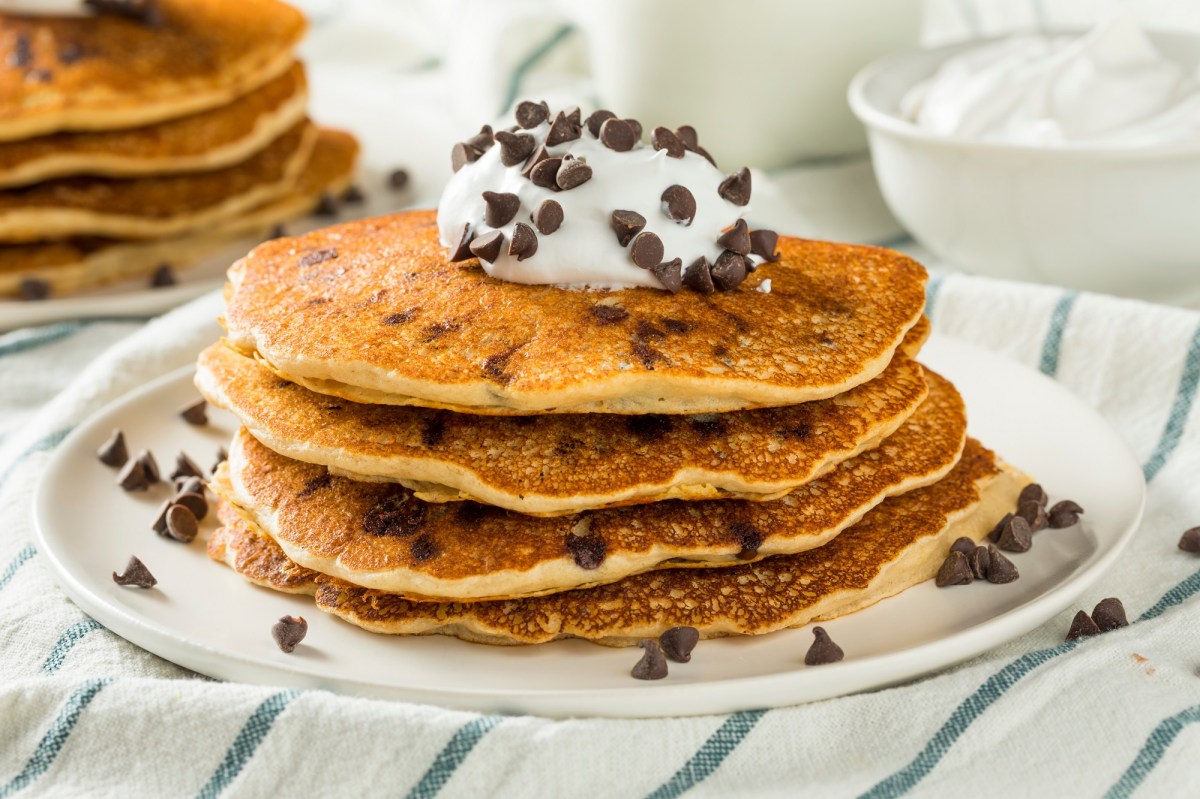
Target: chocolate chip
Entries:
(1109, 614)
(1082, 625)
(737, 238)
(687, 135)
(530, 114)
(994, 535)
(462, 154)
(1190, 540)
(318, 257)
(1000, 569)
(163, 276)
(646, 250)
(736, 187)
(609, 315)
(194, 502)
(545, 173)
(22, 54)
(955, 570)
(483, 140)
(587, 550)
(547, 217)
(979, 559)
(159, 525)
(663, 139)
(353, 195)
(312, 486)
(1064, 514)
(653, 665)
(113, 452)
(597, 119)
(524, 242)
(132, 476)
(423, 548)
(1034, 514)
(617, 134)
(763, 243)
(539, 155)
(70, 53)
(500, 208)
(189, 485)
(669, 273)
(196, 413)
(575, 116)
(698, 276)
(515, 147)
(487, 247)
(964, 545)
(678, 642)
(185, 467)
(398, 179)
(222, 456)
(398, 515)
(572, 173)
(729, 271)
(462, 250)
(748, 538)
(562, 130)
(182, 524)
(135, 574)
(1033, 493)
(678, 204)
(636, 127)
(1016, 536)
(823, 649)
(288, 632)
(326, 206)
(32, 288)
(626, 224)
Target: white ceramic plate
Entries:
(204, 617)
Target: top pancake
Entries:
(373, 311)
(109, 72)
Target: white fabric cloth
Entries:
(83, 712)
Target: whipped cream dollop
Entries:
(1109, 86)
(587, 203)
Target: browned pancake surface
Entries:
(896, 545)
(99, 73)
(379, 535)
(390, 314)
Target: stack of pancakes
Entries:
(427, 449)
(129, 141)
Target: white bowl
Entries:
(1101, 218)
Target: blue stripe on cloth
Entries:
(244, 745)
(41, 336)
(1185, 395)
(27, 552)
(451, 757)
(46, 442)
(1185, 590)
(710, 755)
(66, 642)
(52, 742)
(1052, 346)
(932, 290)
(1152, 752)
(530, 61)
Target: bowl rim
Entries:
(875, 118)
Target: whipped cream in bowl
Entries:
(588, 203)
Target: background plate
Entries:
(203, 616)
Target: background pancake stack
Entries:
(149, 135)
(426, 449)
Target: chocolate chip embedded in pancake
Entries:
(363, 532)
(209, 140)
(556, 464)
(108, 72)
(833, 318)
(895, 546)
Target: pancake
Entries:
(897, 545)
(79, 264)
(387, 319)
(209, 140)
(380, 536)
(153, 207)
(109, 73)
(563, 463)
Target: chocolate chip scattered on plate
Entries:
(196, 413)
(1190, 540)
(678, 642)
(823, 649)
(113, 451)
(653, 665)
(288, 632)
(136, 574)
